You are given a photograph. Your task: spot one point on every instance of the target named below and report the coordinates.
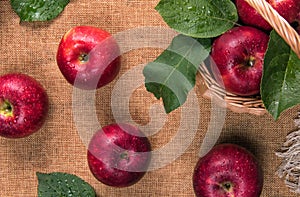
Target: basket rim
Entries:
(249, 104)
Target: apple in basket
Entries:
(237, 59)
(119, 155)
(288, 9)
(23, 105)
(228, 170)
(88, 57)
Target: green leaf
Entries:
(199, 18)
(172, 75)
(59, 184)
(280, 87)
(38, 10)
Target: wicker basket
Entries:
(252, 105)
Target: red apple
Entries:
(88, 57)
(237, 59)
(119, 155)
(228, 170)
(23, 105)
(288, 9)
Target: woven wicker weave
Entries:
(252, 105)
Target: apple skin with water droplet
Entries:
(237, 59)
(88, 57)
(228, 170)
(23, 105)
(119, 155)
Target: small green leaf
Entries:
(172, 75)
(199, 18)
(280, 87)
(38, 10)
(63, 185)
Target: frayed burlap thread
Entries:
(290, 153)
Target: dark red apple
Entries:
(237, 59)
(228, 170)
(23, 105)
(288, 9)
(88, 57)
(119, 155)
(296, 24)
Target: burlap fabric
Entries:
(31, 48)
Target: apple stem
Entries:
(124, 155)
(251, 62)
(84, 58)
(228, 187)
(6, 108)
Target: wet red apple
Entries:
(288, 9)
(228, 170)
(119, 155)
(237, 59)
(23, 105)
(88, 57)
